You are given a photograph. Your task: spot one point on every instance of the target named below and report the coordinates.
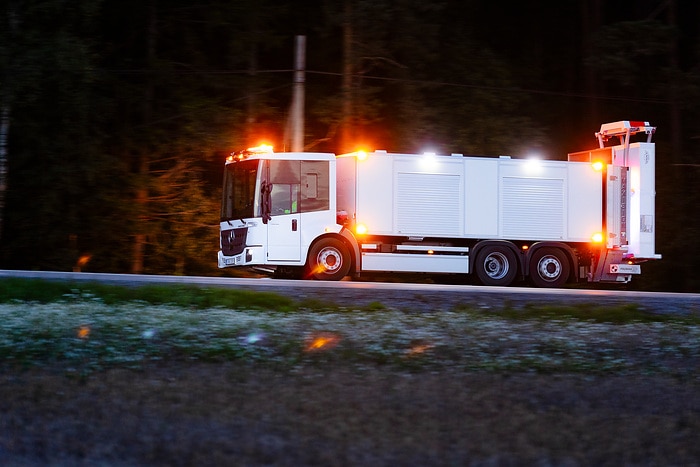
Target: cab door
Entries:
(284, 223)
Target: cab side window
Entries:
(315, 186)
(299, 186)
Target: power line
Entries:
(649, 100)
(543, 92)
(503, 89)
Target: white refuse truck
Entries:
(321, 216)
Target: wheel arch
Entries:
(350, 242)
(347, 236)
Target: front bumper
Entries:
(230, 261)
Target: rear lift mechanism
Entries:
(617, 262)
(623, 130)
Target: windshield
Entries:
(239, 190)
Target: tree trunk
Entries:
(4, 134)
(591, 20)
(252, 136)
(5, 99)
(674, 98)
(143, 165)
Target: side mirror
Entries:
(265, 190)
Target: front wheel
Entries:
(496, 265)
(329, 260)
(549, 267)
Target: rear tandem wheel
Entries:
(496, 265)
(549, 267)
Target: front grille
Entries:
(233, 241)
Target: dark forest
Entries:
(116, 116)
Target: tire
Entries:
(549, 267)
(329, 260)
(496, 265)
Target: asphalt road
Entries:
(434, 296)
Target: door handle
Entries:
(294, 225)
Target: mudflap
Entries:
(604, 271)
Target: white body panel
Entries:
(640, 158)
(470, 197)
(398, 262)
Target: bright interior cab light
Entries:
(597, 166)
(360, 229)
(597, 237)
(361, 155)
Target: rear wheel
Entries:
(329, 260)
(549, 267)
(496, 265)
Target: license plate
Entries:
(232, 261)
(625, 269)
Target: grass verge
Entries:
(87, 327)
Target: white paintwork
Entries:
(469, 197)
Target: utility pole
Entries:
(297, 114)
(347, 85)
